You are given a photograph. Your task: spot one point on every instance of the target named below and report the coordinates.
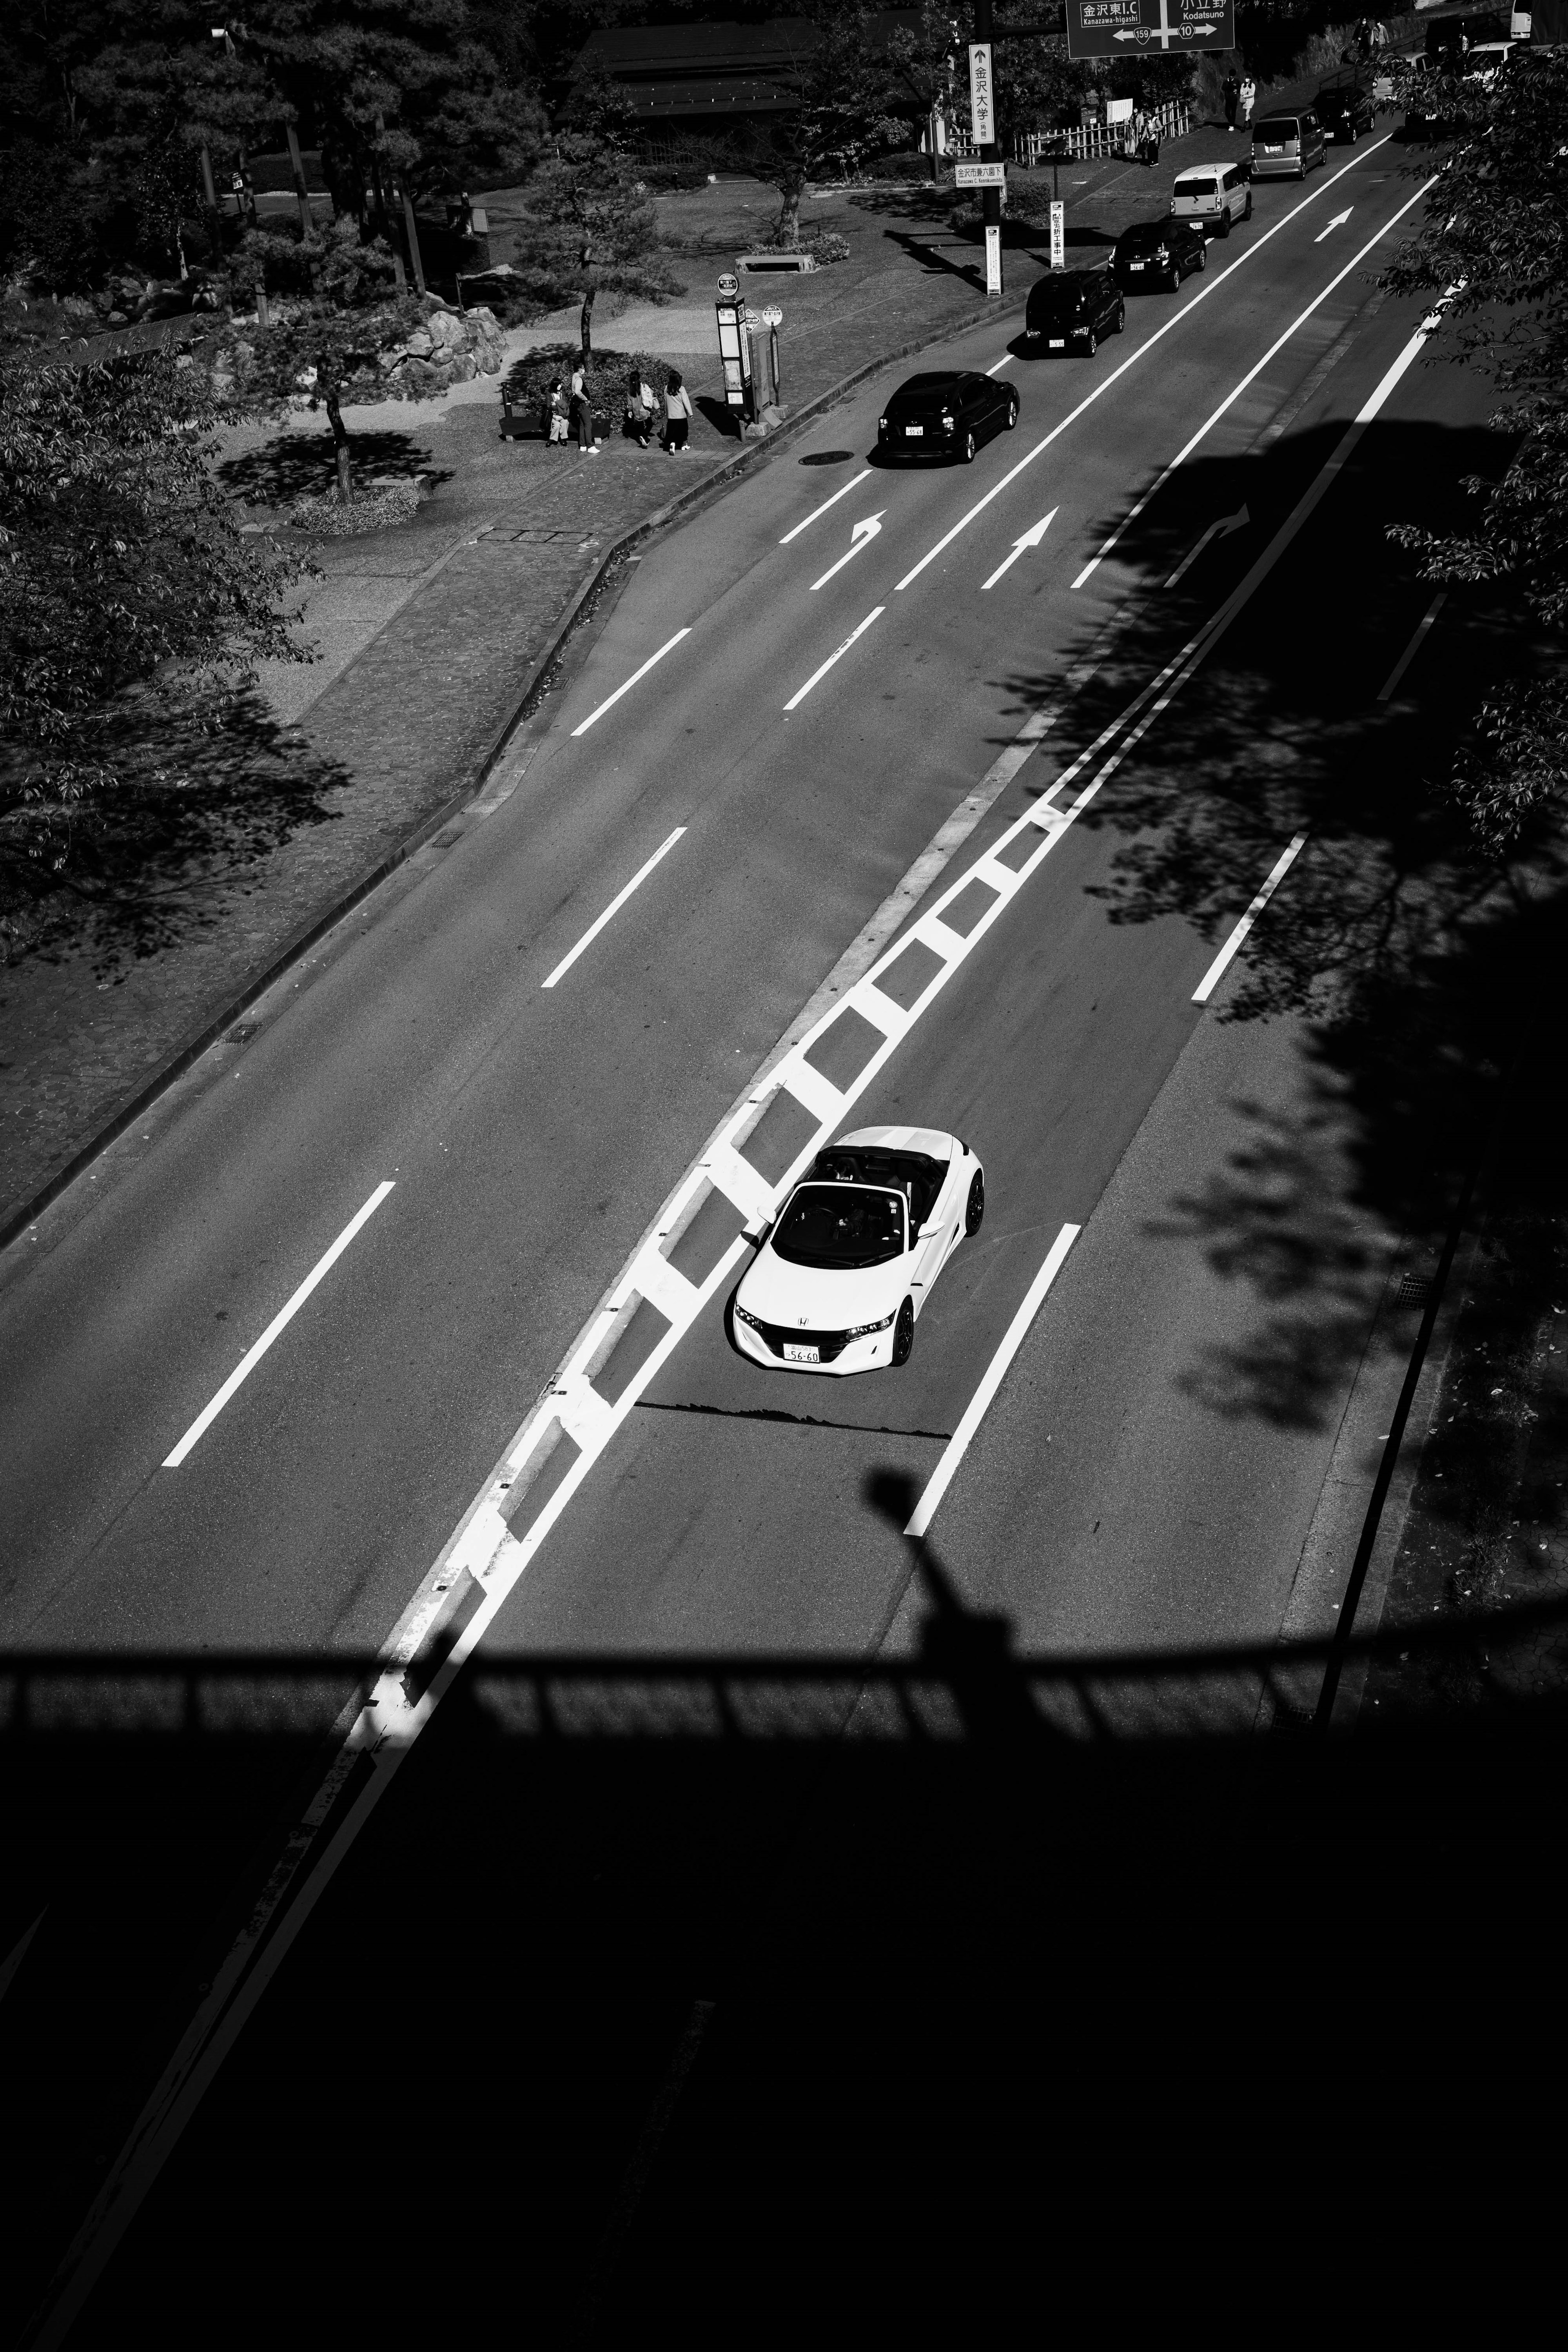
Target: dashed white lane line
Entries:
(284, 1317)
(819, 675)
(1278, 872)
(1234, 395)
(817, 512)
(979, 1404)
(1005, 358)
(611, 700)
(614, 909)
(1103, 386)
(1413, 648)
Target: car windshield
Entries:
(1195, 187)
(1059, 294)
(1277, 126)
(840, 1225)
(1143, 234)
(923, 390)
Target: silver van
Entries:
(1214, 194)
(1286, 146)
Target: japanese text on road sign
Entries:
(980, 175)
(982, 96)
(1119, 28)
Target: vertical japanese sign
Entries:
(981, 95)
(992, 259)
(1120, 28)
(1058, 237)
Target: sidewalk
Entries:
(431, 633)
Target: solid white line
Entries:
(610, 700)
(1215, 971)
(979, 1403)
(248, 1362)
(817, 512)
(1232, 397)
(819, 675)
(616, 903)
(1000, 362)
(1105, 382)
(1413, 648)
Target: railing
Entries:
(1089, 142)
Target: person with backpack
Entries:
(582, 414)
(639, 422)
(555, 412)
(677, 414)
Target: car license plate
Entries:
(1058, 343)
(796, 1350)
(914, 431)
(1136, 265)
(1273, 150)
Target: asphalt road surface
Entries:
(787, 740)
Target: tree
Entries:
(317, 348)
(123, 574)
(1493, 250)
(854, 93)
(591, 223)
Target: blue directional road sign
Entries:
(1121, 28)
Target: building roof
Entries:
(711, 70)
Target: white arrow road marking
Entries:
(614, 909)
(819, 675)
(1031, 538)
(860, 536)
(610, 700)
(1338, 222)
(817, 512)
(1215, 971)
(285, 1315)
(1221, 529)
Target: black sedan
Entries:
(947, 414)
(1159, 253)
(1074, 311)
(1345, 109)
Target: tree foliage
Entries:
(1493, 252)
(122, 574)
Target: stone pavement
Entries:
(430, 634)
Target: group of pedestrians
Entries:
(1240, 96)
(569, 412)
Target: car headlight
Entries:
(947, 424)
(864, 1330)
(753, 1320)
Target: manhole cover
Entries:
(828, 457)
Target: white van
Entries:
(1214, 194)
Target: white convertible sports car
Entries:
(850, 1262)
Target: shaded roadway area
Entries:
(970, 1946)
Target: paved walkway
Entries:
(429, 633)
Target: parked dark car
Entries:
(1074, 311)
(1159, 253)
(945, 416)
(1345, 108)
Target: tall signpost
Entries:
(983, 130)
(1121, 28)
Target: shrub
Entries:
(605, 380)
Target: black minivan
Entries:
(1074, 311)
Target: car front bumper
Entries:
(867, 1355)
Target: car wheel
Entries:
(968, 451)
(1012, 411)
(1093, 344)
(1120, 325)
(1202, 260)
(904, 1333)
(1224, 223)
(1354, 134)
(975, 1213)
(1246, 214)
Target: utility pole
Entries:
(983, 102)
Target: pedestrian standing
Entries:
(1232, 97)
(1248, 99)
(556, 412)
(677, 414)
(582, 413)
(639, 409)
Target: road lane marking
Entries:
(1002, 363)
(284, 1317)
(1180, 459)
(1031, 538)
(861, 535)
(817, 512)
(1278, 872)
(979, 1403)
(1221, 529)
(819, 675)
(1338, 222)
(1161, 690)
(614, 909)
(1103, 386)
(1413, 648)
(611, 700)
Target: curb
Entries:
(16, 1218)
